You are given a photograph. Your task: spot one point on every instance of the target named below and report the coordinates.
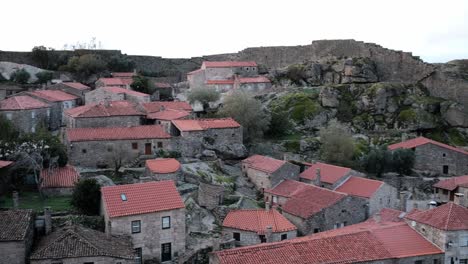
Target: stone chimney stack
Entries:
(47, 220)
(109, 229)
(404, 137)
(458, 197)
(15, 200)
(318, 178)
(377, 217)
(267, 206)
(269, 234)
(403, 201)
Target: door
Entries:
(166, 252)
(148, 149)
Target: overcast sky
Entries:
(437, 31)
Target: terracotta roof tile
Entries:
(187, 125)
(119, 90)
(142, 198)
(22, 102)
(152, 107)
(220, 82)
(449, 217)
(358, 186)
(5, 163)
(204, 124)
(416, 142)
(264, 163)
(452, 183)
(168, 115)
(259, 79)
(329, 173)
(77, 85)
(114, 108)
(228, 64)
(116, 133)
(53, 95)
(287, 188)
(14, 224)
(257, 220)
(62, 177)
(162, 165)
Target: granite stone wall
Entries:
(433, 158)
(23, 119)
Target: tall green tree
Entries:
(204, 95)
(20, 76)
(337, 144)
(86, 197)
(44, 76)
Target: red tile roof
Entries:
(361, 187)
(416, 142)
(119, 90)
(114, 108)
(116, 133)
(142, 198)
(228, 64)
(204, 124)
(257, 220)
(287, 188)
(152, 107)
(263, 163)
(195, 71)
(22, 102)
(259, 79)
(62, 177)
(5, 163)
(53, 95)
(449, 217)
(162, 165)
(162, 85)
(390, 215)
(329, 173)
(77, 85)
(452, 183)
(123, 74)
(111, 81)
(168, 115)
(365, 242)
(220, 82)
(310, 200)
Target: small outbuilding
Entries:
(162, 169)
(59, 181)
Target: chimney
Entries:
(457, 199)
(318, 178)
(432, 204)
(109, 229)
(267, 206)
(404, 137)
(15, 200)
(269, 234)
(377, 217)
(403, 201)
(47, 220)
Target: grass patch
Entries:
(32, 200)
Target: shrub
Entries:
(44, 76)
(337, 144)
(120, 63)
(203, 95)
(86, 197)
(85, 65)
(20, 76)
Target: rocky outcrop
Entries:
(8, 68)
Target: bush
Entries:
(85, 65)
(279, 124)
(120, 63)
(203, 95)
(20, 76)
(380, 160)
(142, 85)
(337, 144)
(402, 161)
(56, 149)
(86, 197)
(44, 76)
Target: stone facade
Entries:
(102, 94)
(210, 196)
(151, 176)
(441, 160)
(255, 87)
(248, 238)
(18, 251)
(349, 210)
(29, 120)
(460, 193)
(264, 180)
(109, 121)
(68, 89)
(385, 197)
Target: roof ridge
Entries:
(448, 216)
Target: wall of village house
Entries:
(431, 157)
(22, 119)
(13, 252)
(350, 210)
(101, 95)
(255, 87)
(151, 176)
(221, 88)
(264, 180)
(426, 259)
(68, 89)
(280, 200)
(103, 153)
(441, 197)
(152, 235)
(111, 121)
(260, 179)
(196, 80)
(95, 260)
(219, 73)
(287, 171)
(248, 238)
(385, 197)
(138, 99)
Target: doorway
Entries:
(148, 150)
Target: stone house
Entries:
(114, 82)
(152, 214)
(28, 114)
(74, 88)
(434, 156)
(265, 172)
(210, 196)
(314, 209)
(153, 107)
(378, 194)
(447, 227)
(5, 176)
(326, 175)
(58, 181)
(162, 169)
(113, 93)
(106, 146)
(254, 226)
(165, 117)
(451, 189)
(162, 91)
(6, 90)
(373, 242)
(252, 84)
(16, 235)
(59, 102)
(105, 114)
(77, 244)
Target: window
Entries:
(236, 236)
(436, 261)
(166, 252)
(443, 154)
(275, 199)
(160, 145)
(463, 261)
(109, 148)
(8, 116)
(134, 145)
(33, 114)
(445, 169)
(418, 262)
(48, 112)
(88, 263)
(166, 222)
(445, 192)
(136, 226)
(262, 238)
(138, 256)
(83, 151)
(316, 230)
(284, 236)
(464, 241)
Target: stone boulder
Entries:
(454, 114)
(231, 151)
(329, 97)
(8, 68)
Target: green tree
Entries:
(142, 84)
(20, 76)
(337, 144)
(86, 197)
(203, 95)
(279, 125)
(120, 63)
(8, 132)
(44, 76)
(40, 55)
(85, 65)
(55, 150)
(248, 111)
(402, 161)
(378, 160)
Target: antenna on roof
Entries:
(123, 197)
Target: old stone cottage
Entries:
(59, 181)
(326, 175)
(153, 107)
(106, 146)
(152, 214)
(162, 169)
(27, 114)
(254, 226)
(113, 93)
(16, 235)
(266, 172)
(434, 156)
(314, 209)
(104, 114)
(76, 244)
(165, 117)
(114, 82)
(452, 189)
(74, 88)
(162, 91)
